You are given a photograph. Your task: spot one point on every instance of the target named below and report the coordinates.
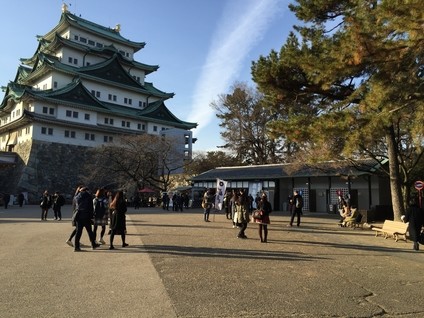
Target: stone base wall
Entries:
(45, 166)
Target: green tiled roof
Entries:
(110, 70)
(109, 50)
(77, 95)
(71, 19)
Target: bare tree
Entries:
(145, 160)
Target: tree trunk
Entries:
(395, 179)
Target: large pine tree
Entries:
(350, 80)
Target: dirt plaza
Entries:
(179, 266)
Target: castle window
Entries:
(100, 45)
(70, 59)
(75, 114)
(83, 40)
(128, 101)
(91, 42)
(89, 137)
(45, 110)
(109, 121)
(107, 138)
(75, 61)
(54, 84)
(68, 113)
(87, 116)
(46, 131)
(76, 37)
(155, 128)
(70, 134)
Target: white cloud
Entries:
(243, 24)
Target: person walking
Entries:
(265, 207)
(21, 199)
(6, 200)
(45, 204)
(84, 215)
(118, 207)
(58, 202)
(100, 206)
(414, 215)
(242, 214)
(207, 204)
(298, 205)
(74, 210)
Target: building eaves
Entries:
(281, 171)
(159, 112)
(75, 94)
(105, 51)
(69, 19)
(79, 125)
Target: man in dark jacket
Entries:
(415, 217)
(298, 205)
(85, 215)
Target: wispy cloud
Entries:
(243, 24)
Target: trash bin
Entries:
(332, 208)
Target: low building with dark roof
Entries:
(320, 184)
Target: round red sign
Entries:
(419, 185)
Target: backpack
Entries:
(99, 208)
(299, 202)
(60, 200)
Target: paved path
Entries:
(179, 266)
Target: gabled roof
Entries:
(279, 171)
(76, 95)
(68, 19)
(107, 71)
(159, 112)
(105, 51)
(110, 70)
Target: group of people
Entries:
(20, 198)
(238, 208)
(179, 201)
(90, 212)
(55, 201)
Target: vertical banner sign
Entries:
(419, 186)
(221, 186)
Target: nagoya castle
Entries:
(81, 89)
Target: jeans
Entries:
(80, 225)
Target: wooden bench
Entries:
(392, 228)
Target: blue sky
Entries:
(201, 46)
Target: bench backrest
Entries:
(395, 226)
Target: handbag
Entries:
(74, 217)
(421, 238)
(257, 215)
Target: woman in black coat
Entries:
(414, 215)
(117, 218)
